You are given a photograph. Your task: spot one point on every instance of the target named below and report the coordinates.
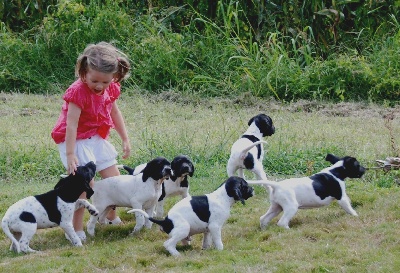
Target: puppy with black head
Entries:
(54, 208)
(176, 185)
(311, 192)
(248, 151)
(140, 191)
(202, 214)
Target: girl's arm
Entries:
(119, 124)
(73, 115)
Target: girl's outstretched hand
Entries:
(72, 162)
(126, 148)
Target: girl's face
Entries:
(98, 81)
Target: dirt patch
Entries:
(342, 109)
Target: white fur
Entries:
(298, 193)
(127, 191)
(186, 222)
(182, 167)
(243, 146)
(171, 189)
(24, 217)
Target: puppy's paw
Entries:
(94, 212)
(90, 231)
(133, 233)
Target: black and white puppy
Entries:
(54, 208)
(139, 191)
(201, 214)
(311, 192)
(176, 184)
(248, 151)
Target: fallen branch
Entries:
(390, 163)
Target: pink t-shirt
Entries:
(95, 117)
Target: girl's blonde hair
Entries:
(105, 58)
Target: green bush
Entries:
(179, 48)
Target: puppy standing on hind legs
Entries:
(311, 192)
(248, 151)
(54, 208)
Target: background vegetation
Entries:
(286, 50)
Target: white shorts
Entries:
(95, 149)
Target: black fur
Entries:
(129, 169)
(254, 139)
(201, 207)
(238, 188)
(181, 164)
(264, 123)
(351, 167)
(326, 185)
(166, 224)
(157, 169)
(248, 161)
(163, 193)
(27, 217)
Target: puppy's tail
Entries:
(140, 211)
(6, 230)
(244, 152)
(126, 168)
(264, 182)
(133, 171)
(166, 224)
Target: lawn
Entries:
(320, 240)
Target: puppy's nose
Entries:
(185, 169)
(168, 171)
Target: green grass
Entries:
(320, 240)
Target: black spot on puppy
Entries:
(27, 217)
(326, 185)
(201, 207)
(168, 225)
(254, 139)
(249, 161)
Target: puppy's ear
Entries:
(89, 192)
(128, 169)
(62, 182)
(155, 169)
(233, 188)
(332, 158)
(250, 121)
(192, 168)
(240, 197)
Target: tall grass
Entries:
(212, 60)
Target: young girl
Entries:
(89, 112)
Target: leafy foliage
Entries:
(289, 50)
